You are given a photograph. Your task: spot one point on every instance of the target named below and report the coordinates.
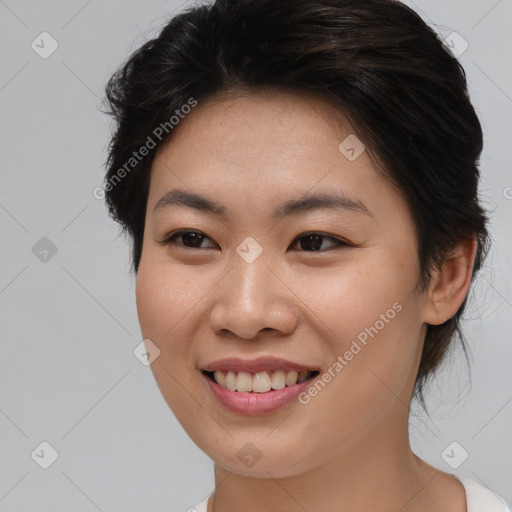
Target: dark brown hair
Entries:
(376, 60)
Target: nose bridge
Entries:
(252, 287)
(252, 298)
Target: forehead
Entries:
(271, 118)
(261, 148)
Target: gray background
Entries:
(68, 375)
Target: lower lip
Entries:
(253, 404)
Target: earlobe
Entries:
(450, 283)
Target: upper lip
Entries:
(259, 364)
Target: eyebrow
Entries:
(326, 200)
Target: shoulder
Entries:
(481, 499)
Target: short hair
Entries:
(377, 60)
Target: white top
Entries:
(478, 497)
(481, 499)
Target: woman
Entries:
(299, 180)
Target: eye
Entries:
(189, 238)
(313, 241)
(309, 242)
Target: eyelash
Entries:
(339, 243)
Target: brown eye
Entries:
(189, 239)
(312, 242)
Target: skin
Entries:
(348, 448)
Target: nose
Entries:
(253, 298)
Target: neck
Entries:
(379, 473)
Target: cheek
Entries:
(161, 304)
(366, 290)
(165, 307)
(165, 295)
(371, 323)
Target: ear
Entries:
(450, 283)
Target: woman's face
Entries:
(253, 284)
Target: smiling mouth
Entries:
(259, 382)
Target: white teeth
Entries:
(220, 378)
(278, 380)
(244, 381)
(260, 382)
(230, 381)
(291, 378)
